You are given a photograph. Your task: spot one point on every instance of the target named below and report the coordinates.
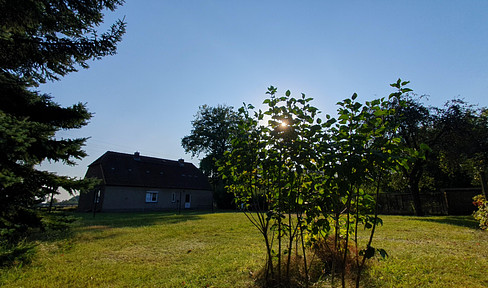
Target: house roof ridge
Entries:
(118, 168)
(106, 154)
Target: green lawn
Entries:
(439, 252)
(224, 250)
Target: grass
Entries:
(431, 252)
(146, 250)
(224, 250)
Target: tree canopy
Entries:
(211, 135)
(446, 145)
(212, 128)
(43, 40)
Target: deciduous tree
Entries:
(463, 148)
(211, 135)
(415, 122)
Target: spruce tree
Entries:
(43, 40)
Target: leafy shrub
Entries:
(481, 214)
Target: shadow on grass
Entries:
(21, 248)
(463, 221)
(136, 219)
(59, 228)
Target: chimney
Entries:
(137, 156)
(181, 162)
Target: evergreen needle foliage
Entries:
(42, 40)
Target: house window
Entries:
(173, 198)
(97, 197)
(151, 196)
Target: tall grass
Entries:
(224, 250)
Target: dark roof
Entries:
(120, 169)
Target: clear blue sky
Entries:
(178, 55)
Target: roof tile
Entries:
(120, 169)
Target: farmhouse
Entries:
(131, 182)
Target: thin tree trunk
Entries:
(344, 259)
(484, 184)
(269, 264)
(356, 225)
(414, 180)
(292, 229)
(51, 202)
(336, 248)
(304, 257)
(417, 204)
(360, 268)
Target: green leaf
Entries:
(288, 93)
(379, 221)
(383, 253)
(367, 253)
